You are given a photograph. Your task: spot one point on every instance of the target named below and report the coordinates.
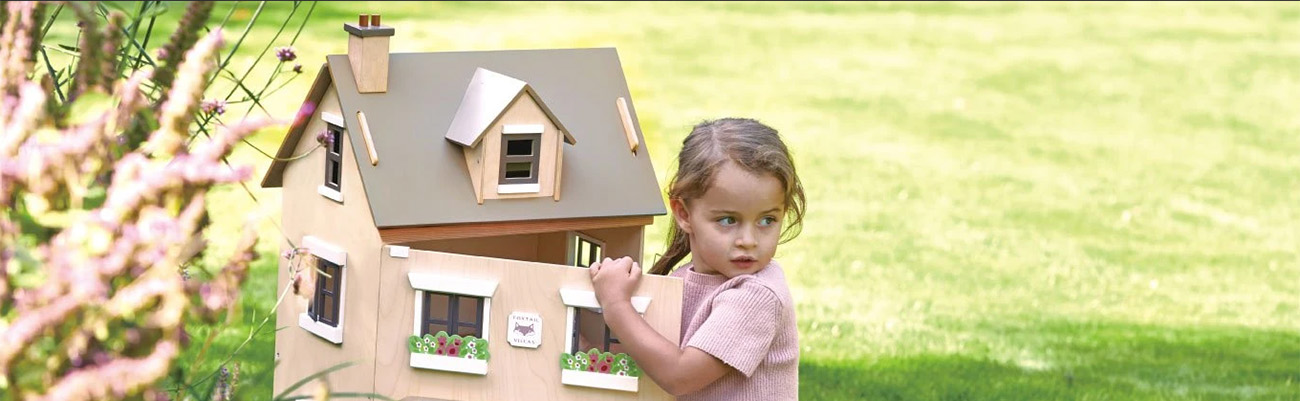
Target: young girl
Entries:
(735, 189)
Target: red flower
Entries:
(604, 368)
(453, 351)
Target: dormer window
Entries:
(520, 154)
(513, 144)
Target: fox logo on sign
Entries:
(525, 330)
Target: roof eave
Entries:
(274, 177)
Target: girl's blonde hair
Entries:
(754, 147)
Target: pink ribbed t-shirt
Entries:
(748, 323)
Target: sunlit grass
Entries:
(1007, 200)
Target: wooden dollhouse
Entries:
(450, 211)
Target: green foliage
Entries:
(600, 362)
(1006, 200)
(454, 345)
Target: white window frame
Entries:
(574, 299)
(571, 240)
(512, 129)
(336, 255)
(433, 282)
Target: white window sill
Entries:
(448, 363)
(519, 188)
(322, 330)
(599, 380)
(330, 193)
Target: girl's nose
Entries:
(746, 239)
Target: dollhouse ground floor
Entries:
(487, 318)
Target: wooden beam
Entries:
(370, 141)
(628, 128)
(472, 230)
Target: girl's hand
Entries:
(614, 280)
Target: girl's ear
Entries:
(681, 215)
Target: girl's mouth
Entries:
(744, 262)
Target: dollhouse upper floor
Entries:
(472, 144)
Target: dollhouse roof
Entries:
(421, 179)
(488, 95)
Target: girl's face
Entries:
(735, 226)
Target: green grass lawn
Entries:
(1006, 200)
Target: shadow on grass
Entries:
(1080, 362)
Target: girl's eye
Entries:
(726, 221)
(767, 221)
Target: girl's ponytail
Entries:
(679, 245)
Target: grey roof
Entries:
(422, 179)
(488, 95)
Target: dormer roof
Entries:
(488, 95)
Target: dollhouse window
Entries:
(586, 330)
(334, 158)
(454, 314)
(326, 315)
(520, 158)
(325, 302)
(590, 331)
(448, 306)
(584, 250)
(332, 186)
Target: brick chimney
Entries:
(368, 53)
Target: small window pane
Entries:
(591, 330)
(579, 254)
(468, 310)
(595, 253)
(519, 147)
(468, 330)
(435, 306)
(519, 170)
(337, 137)
(433, 328)
(327, 304)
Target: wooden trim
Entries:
(511, 129)
(626, 117)
(587, 299)
(452, 285)
(370, 142)
(275, 174)
(400, 235)
(559, 168)
(332, 118)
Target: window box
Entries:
(602, 370)
(449, 353)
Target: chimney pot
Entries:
(374, 20)
(363, 20)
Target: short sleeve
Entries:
(740, 327)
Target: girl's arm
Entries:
(678, 371)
